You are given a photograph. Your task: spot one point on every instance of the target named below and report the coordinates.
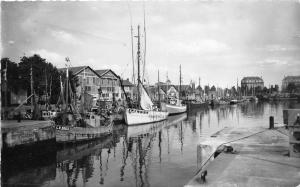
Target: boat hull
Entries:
(174, 109)
(197, 105)
(66, 134)
(137, 117)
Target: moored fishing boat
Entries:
(174, 109)
(72, 126)
(145, 112)
(233, 101)
(175, 106)
(135, 116)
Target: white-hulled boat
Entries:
(147, 113)
(174, 107)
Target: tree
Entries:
(46, 77)
(10, 80)
(10, 74)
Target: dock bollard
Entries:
(271, 122)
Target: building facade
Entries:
(128, 88)
(250, 85)
(290, 80)
(101, 84)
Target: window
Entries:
(88, 88)
(87, 80)
(94, 80)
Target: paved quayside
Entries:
(259, 160)
(27, 132)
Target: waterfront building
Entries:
(109, 84)
(295, 80)
(100, 84)
(168, 89)
(128, 88)
(153, 93)
(250, 85)
(199, 93)
(187, 92)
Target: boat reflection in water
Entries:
(83, 163)
(165, 153)
(138, 147)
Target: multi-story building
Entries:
(101, 84)
(249, 85)
(109, 85)
(128, 88)
(290, 80)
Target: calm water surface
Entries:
(161, 154)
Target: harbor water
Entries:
(160, 154)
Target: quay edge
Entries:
(260, 160)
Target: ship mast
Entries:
(138, 62)
(158, 88)
(32, 91)
(179, 81)
(67, 86)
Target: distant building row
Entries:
(294, 80)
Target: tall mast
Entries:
(132, 55)
(237, 86)
(167, 85)
(179, 80)
(138, 62)
(46, 88)
(31, 88)
(67, 85)
(144, 42)
(5, 91)
(158, 89)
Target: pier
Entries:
(260, 157)
(26, 132)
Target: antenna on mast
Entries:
(144, 41)
(132, 50)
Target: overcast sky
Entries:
(219, 42)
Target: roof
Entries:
(199, 88)
(75, 70)
(291, 78)
(153, 90)
(127, 83)
(165, 88)
(252, 78)
(102, 72)
(78, 69)
(184, 87)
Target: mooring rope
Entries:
(227, 143)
